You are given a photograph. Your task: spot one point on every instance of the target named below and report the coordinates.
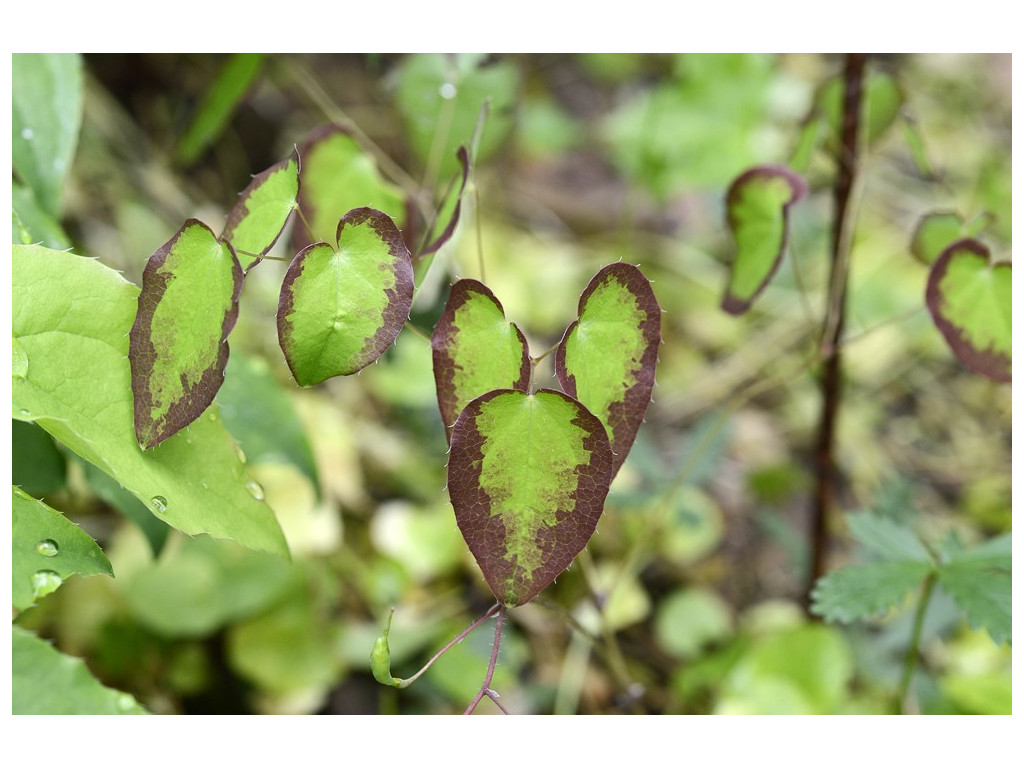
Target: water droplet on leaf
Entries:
(448, 91)
(27, 134)
(47, 548)
(240, 453)
(45, 582)
(159, 503)
(255, 490)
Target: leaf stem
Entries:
(496, 608)
(485, 689)
(910, 663)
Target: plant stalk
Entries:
(910, 663)
(826, 472)
(485, 689)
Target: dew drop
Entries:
(27, 134)
(45, 582)
(125, 702)
(448, 91)
(240, 453)
(47, 548)
(255, 490)
(159, 503)
(213, 416)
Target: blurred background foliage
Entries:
(688, 598)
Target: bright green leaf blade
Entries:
(916, 146)
(337, 176)
(46, 682)
(107, 488)
(37, 466)
(262, 212)
(262, 418)
(757, 207)
(608, 355)
(448, 216)
(475, 350)
(863, 591)
(971, 303)
(440, 96)
(527, 476)
(71, 317)
(883, 100)
(178, 350)
(46, 94)
(47, 548)
(34, 225)
(233, 82)
(979, 580)
(341, 309)
(812, 132)
(886, 538)
(934, 233)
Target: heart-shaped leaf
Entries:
(475, 350)
(757, 206)
(262, 211)
(938, 230)
(971, 303)
(527, 476)
(340, 309)
(608, 355)
(178, 344)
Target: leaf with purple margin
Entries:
(178, 344)
(262, 212)
(475, 350)
(757, 207)
(971, 302)
(448, 215)
(607, 357)
(341, 308)
(527, 476)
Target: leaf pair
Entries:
(528, 473)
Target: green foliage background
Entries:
(699, 557)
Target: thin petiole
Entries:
(496, 608)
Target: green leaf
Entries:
(234, 80)
(262, 418)
(886, 538)
(262, 212)
(607, 356)
(338, 175)
(938, 230)
(979, 580)
(448, 216)
(204, 584)
(475, 350)
(882, 102)
(34, 225)
(46, 95)
(690, 619)
(178, 350)
(757, 206)
(970, 300)
(46, 682)
(71, 318)
(527, 476)
(439, 97)
(862, 591)
(342, 308)
(46, 549)
(37, 467)
(109, 490)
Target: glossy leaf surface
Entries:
(608, 355)
(262, 212)
(757, 207)
(475, 350)
(527, 476)
(340, 309)
(47, 548)
(71, 317)
(971, 302)
(187, 307)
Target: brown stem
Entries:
(826, 472)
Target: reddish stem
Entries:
(485, 689)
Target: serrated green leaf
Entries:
(862, 591)
(608, 355)
(262, 212)
(46, 549)
(178, 350)
(262, 418)
(439, 97)
(527, 476)
(886, 538)
(71, 317)
(37, 467)
(46, 682)
(46, 95)
(979, 580)
(757, 208)
(233, 81)
(107, 488)
(340, 309)
(337, 176)
(475, 349)
(970, 300)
